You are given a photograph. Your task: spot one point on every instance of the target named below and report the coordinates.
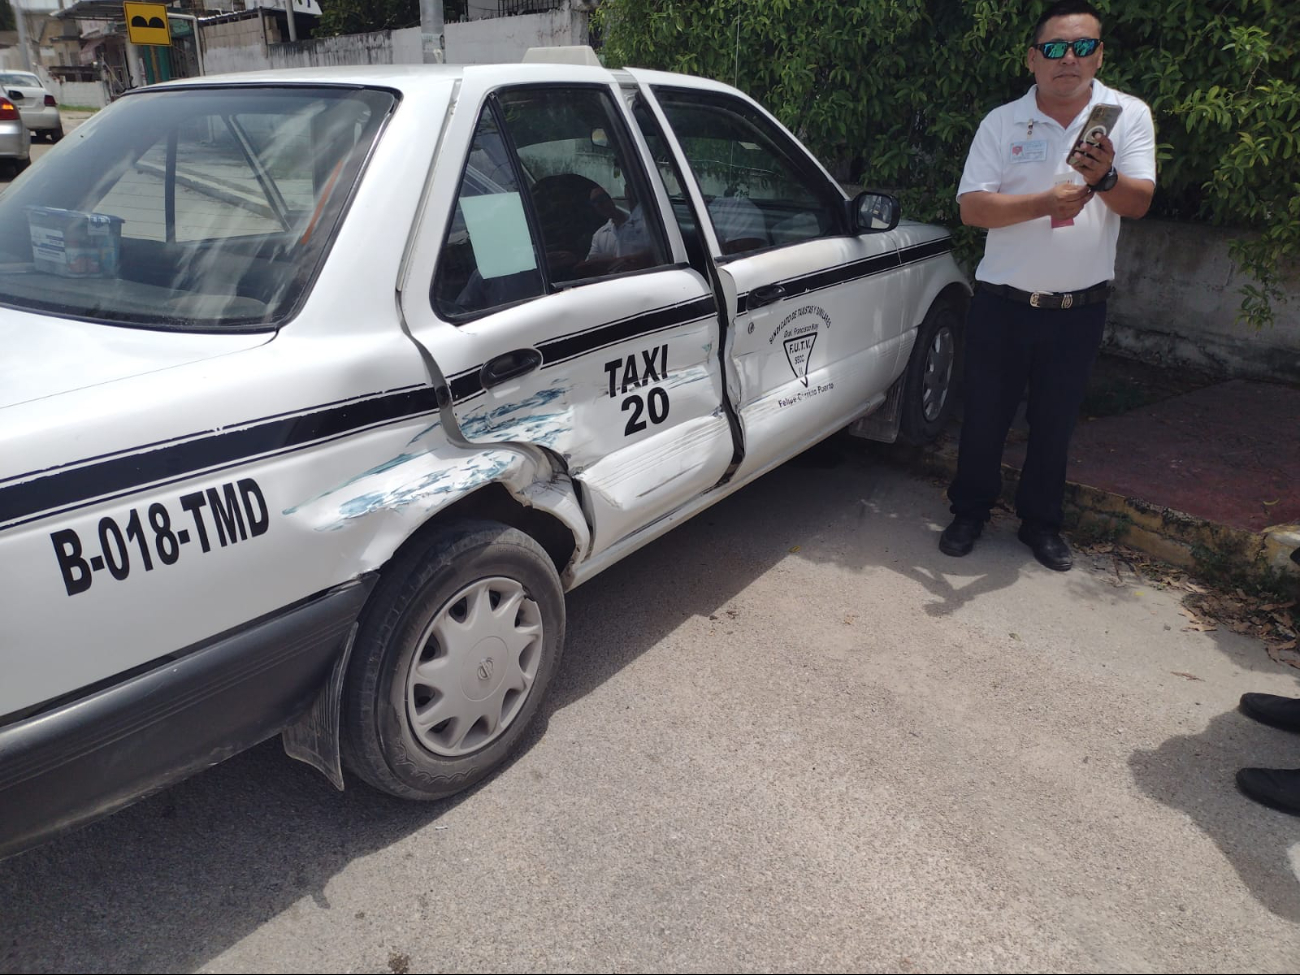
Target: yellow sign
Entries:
(146, 23)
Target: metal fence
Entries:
(507, 8)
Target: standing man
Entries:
(1040, 304)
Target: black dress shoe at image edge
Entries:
(959, 537)
(1272, 709)
(1048, 547)
(1277, 788)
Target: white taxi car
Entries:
(321, 387)
(15, 140)
(39, 109)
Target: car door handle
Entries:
(766, 295)
(509, 365)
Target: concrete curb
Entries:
(1165, 533)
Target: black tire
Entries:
(16, 166)
(380, 743)
(54, 135)
(933, 374)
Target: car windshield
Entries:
(188, 208)
(18, 78)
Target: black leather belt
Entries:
(1049, 299)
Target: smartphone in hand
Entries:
(1101, 121)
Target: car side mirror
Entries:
(874, 213)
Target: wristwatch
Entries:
(1107, 182)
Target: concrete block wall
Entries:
(244, 46)
(1176, 301)
(505, 39)
(235, 34)
(376, 48)
(408, 46)
(85, 94)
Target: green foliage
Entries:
(1096, 528)
(365, 16)
(1228, 566)
(890, 92)
(7, 20)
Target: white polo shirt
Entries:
(1018, 149)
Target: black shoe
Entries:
(1049, 547)
(1278, 788)
(1272, 709)
(959, 537)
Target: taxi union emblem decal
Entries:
(798, 333)
(798, 350)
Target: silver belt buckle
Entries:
(1067, 300)
(1034, 298)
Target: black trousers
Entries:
(1009, 346)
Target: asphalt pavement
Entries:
(789, 736)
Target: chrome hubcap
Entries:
(475, 666)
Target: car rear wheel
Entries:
(54, 135)
(455, 652)
(930, 390)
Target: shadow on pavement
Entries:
(1194, 774)
(173, 881)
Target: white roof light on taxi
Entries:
(562, 54)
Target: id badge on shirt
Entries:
(1031, 150)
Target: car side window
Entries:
(550, 198)
(584, 181)
(760, 187)
(488, 257)
(669, 174)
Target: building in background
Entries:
(82, 50)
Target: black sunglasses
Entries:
(1055, 50)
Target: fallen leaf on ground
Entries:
(1263, 616)
(1289, 657)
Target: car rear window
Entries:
(188, 208)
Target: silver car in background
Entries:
(15, 143)
(39, 110)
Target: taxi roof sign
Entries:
(146, 23)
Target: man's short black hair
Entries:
(1064, 8)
